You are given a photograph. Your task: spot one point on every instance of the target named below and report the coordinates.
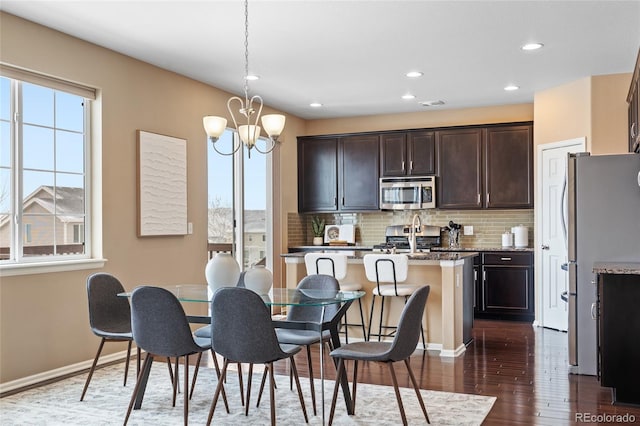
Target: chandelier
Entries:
(248, 113)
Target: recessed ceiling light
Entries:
(408, 96)
(511, 87)
(414, 74)
(315, 104)
(252, 77)
(432, 103)
(532, 46)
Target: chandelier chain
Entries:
(246, 49)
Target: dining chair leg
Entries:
(272, 395)
(217, 367)
(195, 374)
(175, 383)
(145, 366)
(417, 389)
(92, 369)
(126, 363)
(397, 390)
(186, 389)
(311, 385)
(336, 386)
(250, 374)
(241, 384)
(295, 374)
(138, 359)
(262, 382)
(355, 383)
(216, 395)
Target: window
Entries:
(44, 144)
(239, 192)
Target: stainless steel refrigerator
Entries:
(603, 224)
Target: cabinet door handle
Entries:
(594, 311)
(403, 166)
(633, 131)
(484, 276)
(487, 198)
(478, 198)
(411, 165)
(505, 258)
(343, 201)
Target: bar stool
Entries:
(335, 264)
(389, 268)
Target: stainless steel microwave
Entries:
(408, 193)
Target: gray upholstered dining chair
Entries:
(335, 264)
(310, 313)
(403, 345)
(109, 318)
(242, 331)
(159, 326)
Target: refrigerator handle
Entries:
(563, 219)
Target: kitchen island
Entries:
(449, 312)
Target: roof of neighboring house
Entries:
(68, 203)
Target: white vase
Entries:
(222, 271)
(318, 241)
(259, 279)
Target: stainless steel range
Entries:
(397, 236)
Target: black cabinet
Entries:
(338, 174)
(409, 153)
(504, 286)
(490, 167)
(618, 332)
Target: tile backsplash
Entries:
(488, 225)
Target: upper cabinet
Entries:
(338, 174)
(508, 167)
(460, 165)
(409, 153)
(476, 167)
(634, 109)
(490, 167)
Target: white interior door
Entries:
(552, 234)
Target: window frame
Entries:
(18, 264)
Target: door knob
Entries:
(544, 247)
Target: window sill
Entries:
(47, 267)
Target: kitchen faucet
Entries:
(415, 224)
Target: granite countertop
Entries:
(359, 254)
(438, 249)
(619, 268)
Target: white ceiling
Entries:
(352, 55)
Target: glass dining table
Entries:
(198, 293)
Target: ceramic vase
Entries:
(259, 279)
(222, 271)
(318, 241)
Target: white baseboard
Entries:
(58, 372)
(448, 353)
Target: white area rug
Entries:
(107, 400)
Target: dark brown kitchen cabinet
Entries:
(504, 286)
(485, 167)
(409, 153)
(338, 174)
(460, 168)
(618, 331)
(358, 178)
(317, 174)
(508, 167)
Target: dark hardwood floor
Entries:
(525, 367)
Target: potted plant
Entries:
(317, 226)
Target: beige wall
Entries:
(43, 317)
